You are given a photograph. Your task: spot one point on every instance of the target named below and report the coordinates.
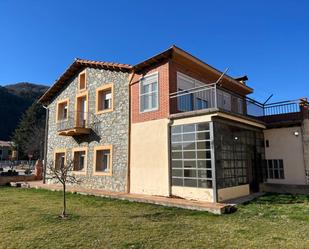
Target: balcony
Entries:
(212, 98)
(76, 124)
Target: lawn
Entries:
(28, 219)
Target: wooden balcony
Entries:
(76, 124)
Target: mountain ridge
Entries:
(15, 99)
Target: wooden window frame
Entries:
(67, 100)
(104, 147)
(78, 87)
(101, 89)
(58, 151)
(78, 149)
(82, 94)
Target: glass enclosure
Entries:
(239, 153)
(191, 155)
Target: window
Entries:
(79, 159)
(191, 156)
(275, 169)
(103, 160)
(59, 159)
(104, 99)
(62, 110)
(82, 83)
(81, 114)
(149, 93)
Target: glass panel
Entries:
(190, 182)
(203, 163)
(177, 172)
(189, 173)
(189, 146)
(176, 138)
(189, 155)
(189, 128)
(176, 146)
(176, 155)
(203, 136)
(203, 145)
(177, 182)
(189, 137)
(203, 126)
(205, 183)
(176, 129)
(177, 164)
(189, 164)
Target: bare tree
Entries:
(62, 173)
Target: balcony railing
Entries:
(213, 97)
(77, 123)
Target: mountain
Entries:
(15, 99)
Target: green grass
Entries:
(28, 219)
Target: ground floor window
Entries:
(191, 155)
(275, 169)
(59, 159)
(103, 160)
(79, 159)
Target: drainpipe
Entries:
(305, 136)
(45, 144)
(170, 123)
(128, 190)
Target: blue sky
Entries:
(267, 40)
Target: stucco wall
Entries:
(149, 167)
(233, 192)
(199, 194)
(111, 128)
(283, 144)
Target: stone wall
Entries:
(111, 129)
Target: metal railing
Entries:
(283, 107)
(212, 96)
(77, 119)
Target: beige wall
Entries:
(233, 192)
(199, 194)
(283, 144)
(149, 164)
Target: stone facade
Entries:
(111, 128)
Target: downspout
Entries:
(45, 143)
(129, 135)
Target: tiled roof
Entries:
(6, 143)
(76, 66)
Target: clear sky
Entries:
(267, 40)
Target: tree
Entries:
(28, 137)
(62, 173)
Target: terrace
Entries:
(212, 98)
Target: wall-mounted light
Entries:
(235, 138)
(296, 133)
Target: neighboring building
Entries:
(172, 126)
(5, 150)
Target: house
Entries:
(173, 125)
(5, 150)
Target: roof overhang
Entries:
(182, 56)
(74, 68)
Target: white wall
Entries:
(149, 167)
(283, 144)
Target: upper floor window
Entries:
(104, 98)
(149, 93)
(62, 110)
(82, 84)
